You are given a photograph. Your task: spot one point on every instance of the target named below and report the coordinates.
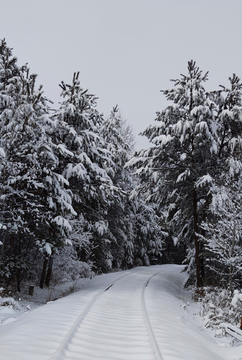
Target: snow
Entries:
(237, 296)
(51, 202)
(178, 127)
(227, 113)
(143, 313)
(101, 227)
(162, 140)
(64, 150)
(47, 248)
(59, 220)
(196, 110)
(68, 242)
(61, 179)
(175, 240)
(203, 180)
(183, 176)
(134, 160)
(2, 152)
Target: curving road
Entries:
(128, 315)
(109, 329)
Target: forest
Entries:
(76, 199)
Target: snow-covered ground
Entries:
(139, 314)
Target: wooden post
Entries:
(31, 290)
(42, 279)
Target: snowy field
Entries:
(139, 314)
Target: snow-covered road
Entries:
(140, 314)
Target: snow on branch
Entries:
(204, 180)
(60, 221)
(2, 153)
(183, 176)
(47, 248)
(64, 150)
(135, 160)
(162, 140)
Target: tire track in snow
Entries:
(59, 355)
(148, 324)
(112, 328)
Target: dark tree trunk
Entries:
(42, 279)
(18, 279)
(49, 272)
(196, 241)
(2, 247)
(202, 247)
(202, 266)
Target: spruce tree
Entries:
(84, 162)
(222, 231)
(34, 200)
(120, 214)
(177, 172)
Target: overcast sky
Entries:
(126, 50)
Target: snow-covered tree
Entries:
(85, 162)
(177, 171)
(196, 155)
(149, 237)
(118, 137)
(133, 228)
(223, 230)
(223, 241)
(33, 198)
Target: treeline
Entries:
(192, 173)
(75, 198)
(65, 205)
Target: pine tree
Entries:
(149, 237)
(120, 216)
(33, 199)
(222, 240)
(222, 232)
(177, 172)
(84, 162)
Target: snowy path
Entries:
(129, 315)
(109, 329)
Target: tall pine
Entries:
(85, 162)
(177, 171)
(34, 201)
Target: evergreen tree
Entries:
(33, 196)
(149, 237)
(222, 237)
(134, 231)
(85, 162)
(177, 172)
(223, 242)
(120, 215)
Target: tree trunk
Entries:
(18, 280)
(202, 250)
(49, 272)
(2, 248)
(231, 254)
(42, 279)
(196, 241)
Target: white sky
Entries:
(126, 50)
